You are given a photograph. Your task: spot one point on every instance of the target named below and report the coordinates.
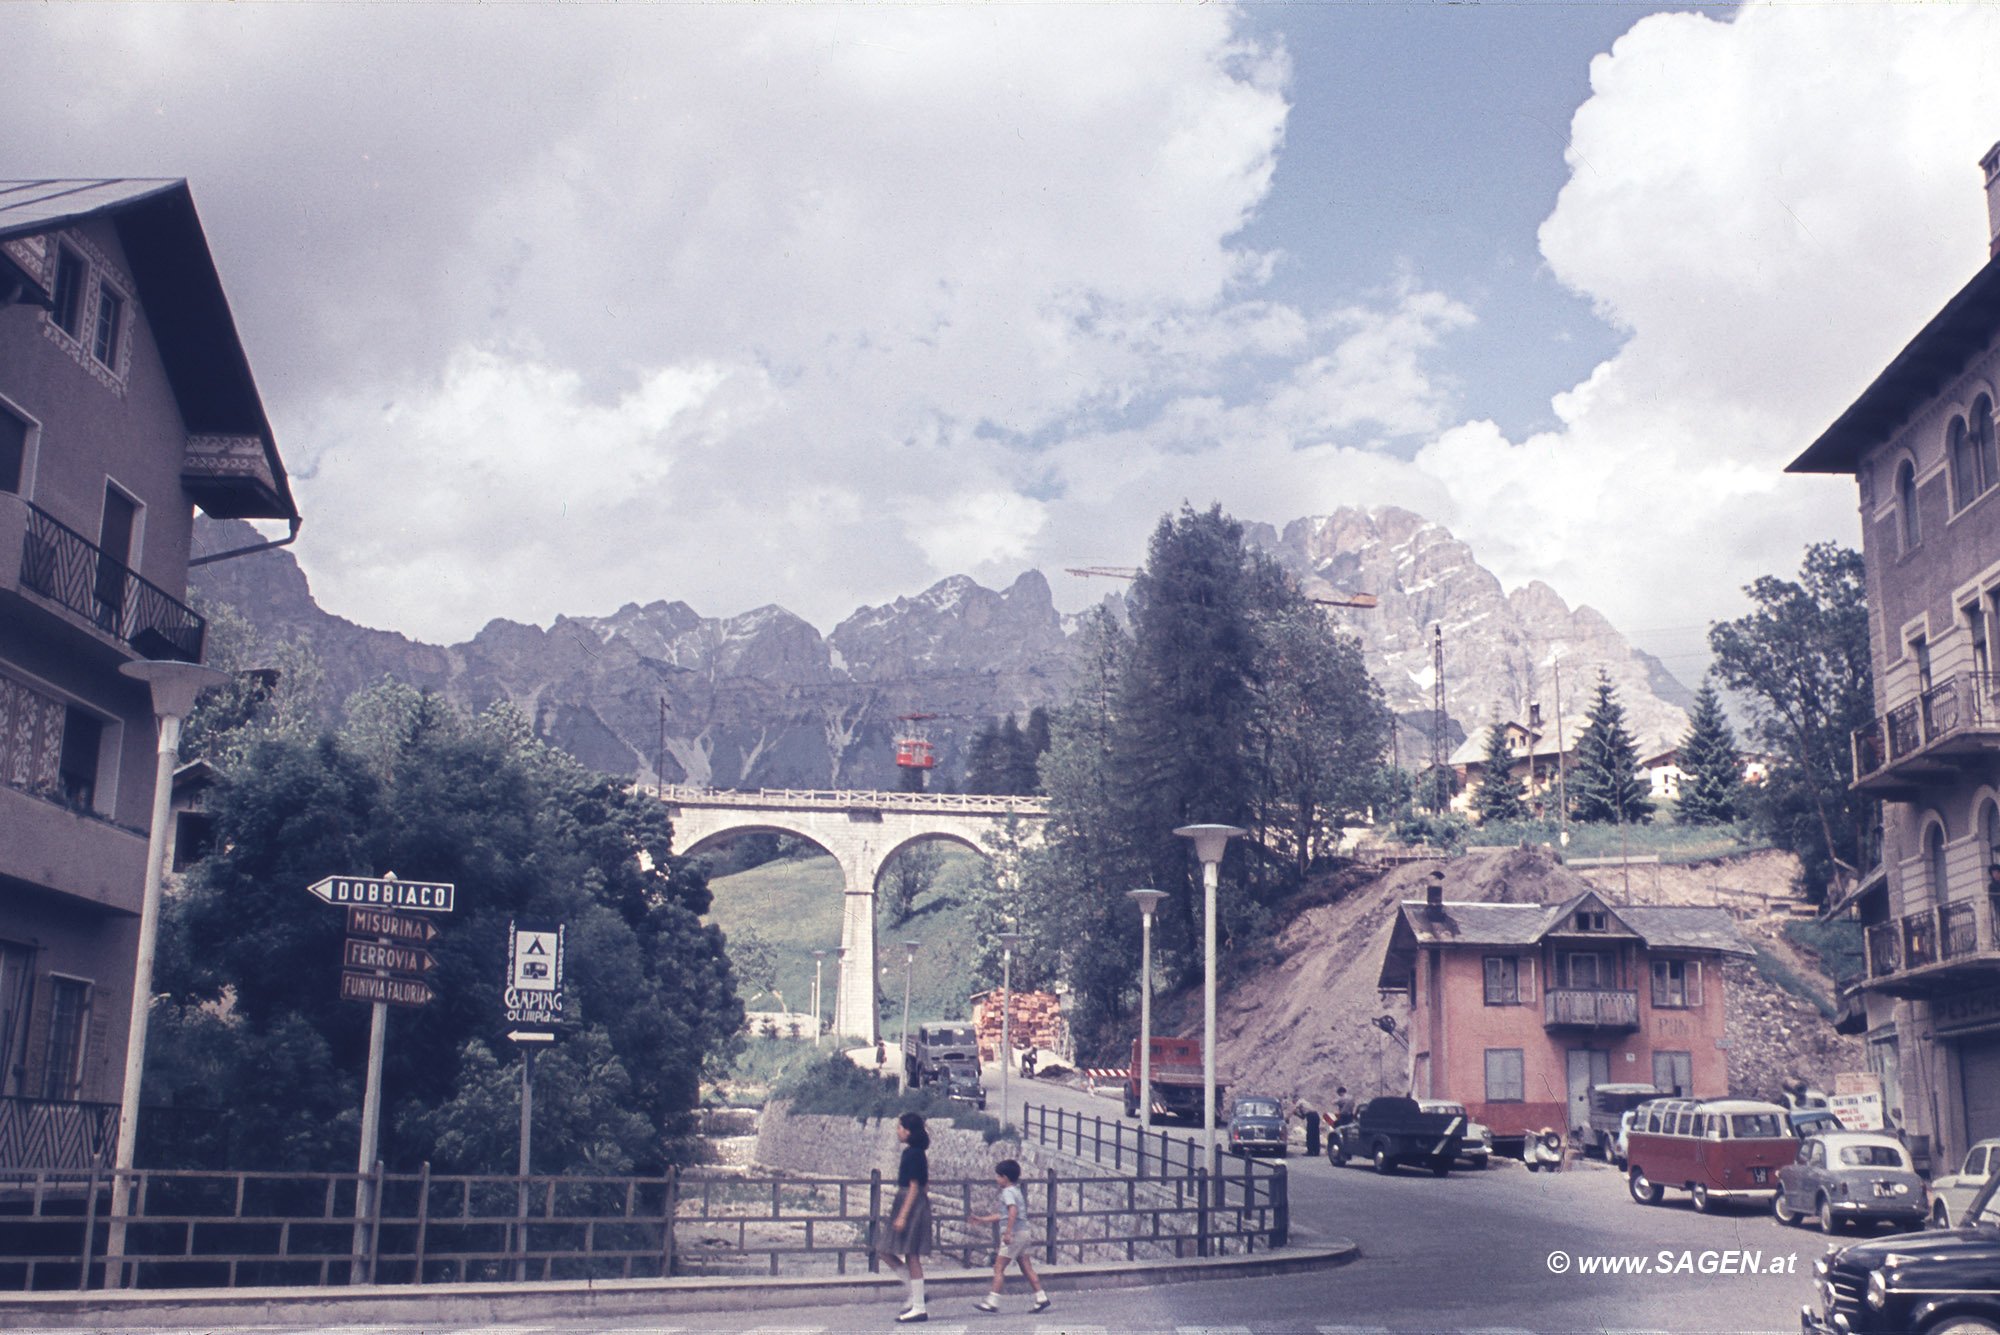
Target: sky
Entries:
(556, 308)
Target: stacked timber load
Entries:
(1037, 1022)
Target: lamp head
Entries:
(1147, 900)
(174, 684)
(910, 951)
(1210, 840)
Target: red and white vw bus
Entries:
(1713, 1149)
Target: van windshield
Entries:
(1755, 1126)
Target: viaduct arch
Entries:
(861, 829)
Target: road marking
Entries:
(1352, 1330)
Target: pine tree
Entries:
(1711, 768)
(1501, 795)
(1606, 785)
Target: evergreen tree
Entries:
(1606, 784)
(1711, 768)
(1501, 796)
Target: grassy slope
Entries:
(796, 905)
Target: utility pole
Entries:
(1440, 756)
(1562, 781)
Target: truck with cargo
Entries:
(946, 1054)
(1177, 1080)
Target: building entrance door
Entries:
(1587, 1067)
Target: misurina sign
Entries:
(534, 993)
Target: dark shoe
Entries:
(914, 1314)
(1041, 1303)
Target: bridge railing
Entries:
(843, 799)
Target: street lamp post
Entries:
(903, 1065)
(1148, 901)
(1008, 940)
(174, 686)
(819, 959)
(1209, 841)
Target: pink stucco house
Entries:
(1516, 1010)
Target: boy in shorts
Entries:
(1015, 1243)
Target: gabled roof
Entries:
(1658, 927)
(1936, 356)
(179, 290)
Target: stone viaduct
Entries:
(861, 830)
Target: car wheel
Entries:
(1383, 1163)
(1644, 1190)
(1940, 1216)
(1785, 1213)
(1440, 1168)
(1962, 1325)
(1480, 1163)
(1335, 1155)
(1703, 1203)
(1827, 1223)
(1131, 1108)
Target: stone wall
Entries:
(832, 1146)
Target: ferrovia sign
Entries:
(534, 994)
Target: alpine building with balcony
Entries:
(1516, 1010)
(126, 401)
(1920, 445)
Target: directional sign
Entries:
(395, 926)
(384, 988)
(385, 893)
(531, 1036)
(397, 959)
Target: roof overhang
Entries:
(1936, 356)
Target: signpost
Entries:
(384, 964)
(533, 1000)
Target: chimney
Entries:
(1535, 708)
(1434, 896)
(1991, 164)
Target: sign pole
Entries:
(371, 1129)
(527, 1138)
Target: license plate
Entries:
(1884, 1189)
(1757, 1175)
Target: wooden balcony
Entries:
(1590, 1008)
(1930, 738)
(1938, 950)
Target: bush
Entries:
(1778, 973)
(1837, 945)
(836, 1087)
(1438, 831)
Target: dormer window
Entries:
(1590, 920)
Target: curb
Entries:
(470, 1304)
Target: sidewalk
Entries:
(469, 1304)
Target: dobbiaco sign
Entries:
(384, 892)
(534, 994)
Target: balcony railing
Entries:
(1956, 708)
(1884, 958)
(1604, 1008)
(1958, 930)
(52, 1135)
(1920, 938)
(62, 565)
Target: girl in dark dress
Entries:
(910, 1221)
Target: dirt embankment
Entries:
(1300, 1018)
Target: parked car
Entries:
(1889, 1286)
(1476, 1149)
(1713, 1149)
(1851, 1177)
(1392, 1131)
(1951, 1193)
(1256, 1126)
(1813, 1121)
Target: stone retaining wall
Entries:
(834, 1146)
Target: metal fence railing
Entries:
(66, 1229)
(1241, 1203)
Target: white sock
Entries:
(916, 1295)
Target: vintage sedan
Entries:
(1913, 1284)
(1476, 1150)
(1851, 1177)
(1257, 1126)
(1951, 1193)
